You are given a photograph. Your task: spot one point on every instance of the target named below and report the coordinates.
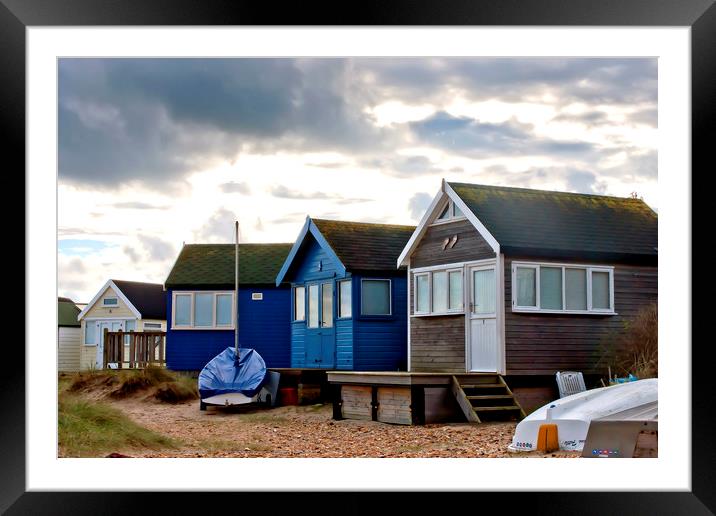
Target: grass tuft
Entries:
(182, 389)
(89, 429)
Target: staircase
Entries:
(485, 397)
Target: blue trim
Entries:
(309, 226)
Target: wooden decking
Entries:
(420, 397)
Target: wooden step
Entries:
(482, 386)
(509, 407)
(489, 396)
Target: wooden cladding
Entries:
(437, 344)
(134, 350)
(545, 343)
(469, 245)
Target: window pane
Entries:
(457, 211)
(313, 306)
(182, 310)
(445, 213)
(484, 291)
(129, 325)
(203, 309)
(575, 284)
(299, 303)
(422, 292)
(112, 301)
(456, 290)
(90, 332)
(327, 306)
(600, 290)
(550, 288)
(526, 289)
(344, 293)
(440, 291)
(224, 305)
(375, 297)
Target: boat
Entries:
(236, 379)
(573, 414)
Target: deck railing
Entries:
(134, 349)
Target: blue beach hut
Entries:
(348, 300)
(201, 304)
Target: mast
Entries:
(236, 294)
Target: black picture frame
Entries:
(700, 15)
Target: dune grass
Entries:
(91, 429)
(163, 384)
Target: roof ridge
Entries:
(136, 282)
(365, 223)
(240, 243)
(538, 191)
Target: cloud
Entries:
(470, 137)
(233, 187)
(418, 204)
(403, 166)
(135, 205)
(157, 249)
(132, 253)
(156, 120)
(283, 192)
(219, 228)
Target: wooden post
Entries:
(104, 350)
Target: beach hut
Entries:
(348, 299)
(201, 304)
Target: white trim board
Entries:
(117, 291)
(433, 211)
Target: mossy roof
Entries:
(67, 312)
(525, 219)
(214, 265)
(363, 246)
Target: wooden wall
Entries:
(120, 310)
(68, 349)
(470, 245)
(437, 343)
(547, 343)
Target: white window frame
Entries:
(451, 214)
(429, 274)
(213, 326)
(339, 298)
(153, 326)
(564, 266)
(115, 304)
(390, 297)
(293, 300)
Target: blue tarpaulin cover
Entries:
(223, 375)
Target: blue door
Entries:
(320, 330)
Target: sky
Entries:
(154, 153)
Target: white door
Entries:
(483, 319)
(101, 326)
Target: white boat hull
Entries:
(573, 414)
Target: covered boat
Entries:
(573, 414)
(228, 381)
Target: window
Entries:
(182, 310)
(345, 306)
(483, 291)
(202, 310)
(551, 287)
(152, 326)
(129, 325)
(375, 297)
(299, 304)
(313, 306)
(438, 292)
(450, 211)
(422, 293)
(110, 301)
(90, 333)
(327, 305)
(224, 307)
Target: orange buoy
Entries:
(547, 438)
